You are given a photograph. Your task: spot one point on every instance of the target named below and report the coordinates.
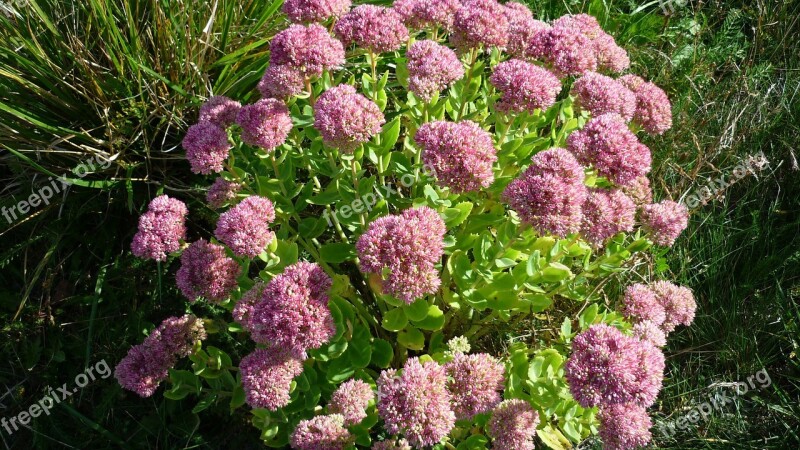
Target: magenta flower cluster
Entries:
(391, 444)
(432, 68)
(404, 249)
(653, 109)
(281, 82)
(245, 227)
(345, 118)
(426, 14)
(678, 302)
(161, 229)
(461, 154)
(206, 272)
(665, 221)
(475, 382)
(351, 400)
(220, 110)
(624, 426)
(521, 43)
(267, 375)
(550, 193)
(206, 146)
(606, 213)
(305, 11)
(600, 94)
(265, 123)
(222, 192)
(480, 23)
(513, 425)
(325, 432)
(309, 49)
(607, 367)
(373, 28)
(146, 365)
(525, 87)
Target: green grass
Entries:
(95, 78)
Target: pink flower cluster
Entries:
(351, 400)
(371, 27)
(614, 151)
(293, 310)
(624, 426)
(517, 12)
(243, 311)
(606, 213)
(653, 109)
(525, 87)
(421, 14)
(550, 193)
(281, 82)
(657, 309)
(460, 154)
(146, 365)
(220, 110)
(521, 34)
(600, 94)
(304, 11)
(309, 49)
(267, 375)
(432, 68)
(391, 444)
(266, 123)
(345, 118)
(222, 192)
(480, 23)
(206, 146)
(161, 229)
(407, 246)
(475, 383)
(607, 367)
(665, 221)
(206, 272)
(513, 425)
(416, 402)
(245, 227)
(639, 191)
(678, 302)
(325, 432)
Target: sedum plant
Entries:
(413, 179)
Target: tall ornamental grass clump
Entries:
(410, 179)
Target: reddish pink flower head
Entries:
(304, 11)
(480, 23)
(641, 304)
(220, 110)
(606, 213)
(600, 94)
(653, 109)
(525, 87)
(624, 426)
(267, 376)
(243, 311)
(639, 191)
(566, 49)
(678, 302)
(351, 400)
(610, 56)
(265, 123)
(222, 192)
(346, 119)
(309, 49)
(207, 147)
(281, 82)
(521, 38)
(161, 229)
(475, 382)
(245, 227)
(206, 272)
(322, 433)
(432, 68)
(460, 154)
(513, 425)
(428, 14)
(665, 221)
(177, 335)
(374, 28)
(650, 332)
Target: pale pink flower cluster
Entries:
(404, 249)
(475, 382)
(525, 87)
(326, 432)
(391, 444)
(653, 109)
(161, 229)
(600, 94)
(624, 426)
(373, 28)
(517, 12)
(428, 14)
(513, 425)
(345, 118)
(521, 43)
(304, 11)
(615, 152)
(245, 227)
(606, 213)
(650, 332)
(206, 272)
(665, 221)
(639, 191)
(480, 23)
(607, 367)
(146, 365)
(309, 49)
(267, 375)
(265, 123)
(351, 400)
(206, 146)
(432, 68)
(243, 311)
(678, 302)
(461, 154)
(220, 110)
(281, 82)
(222, 192)
(550, 193)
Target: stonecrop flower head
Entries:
(653, 109)
(566, 49)
(480, 23)
(549, 194)
(405, 9)
(243, 311)
(513, 425)
(345, 118)
(606, 53)
(373, 28)
(607, 367)
(521, 41)
(222, 192)
(600, 94)
(265, 123)
(267, 375)
(678, 302)
(305, 11)
(307, 48)
(525, 86)
(432, 68)
(606, 213)
(427, 14)
(293, 312)
(665, 221)
(206, 272)
(281, 82)
(351, 400)
(177, 335)
(161, 229)
(245, 227)
(650, 332)
(517, 12)
(459, 344)
(615, 152)
(404, 249)
(641, 304)
(416, 403)
(206, 146)
(220, 110)
(475, 382)
(610, 56)
(639, 191)
(624, 426)
(322, 433)
(391, 444)
(461, 154)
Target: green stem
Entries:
(465, 91)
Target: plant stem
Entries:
(464, 92)
(310, 90)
